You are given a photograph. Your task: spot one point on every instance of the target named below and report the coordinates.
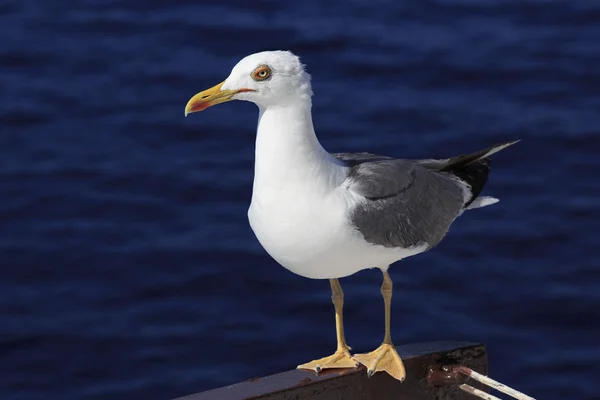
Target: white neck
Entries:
(288, 151)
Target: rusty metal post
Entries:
(355, 385)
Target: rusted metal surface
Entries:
(440, 375)
(420, 360)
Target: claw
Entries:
(339, 359)
(385, 358)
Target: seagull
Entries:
(327, 216)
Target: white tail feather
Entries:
(482, 202)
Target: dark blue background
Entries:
(127, 267)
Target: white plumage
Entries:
(300, 205)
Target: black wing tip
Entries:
(474, 168)
(464, 160)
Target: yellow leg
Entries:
(341, 358)
(385, 357)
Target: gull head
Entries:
(268, 79)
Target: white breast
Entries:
(299, 231)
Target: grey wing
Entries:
(405, 204)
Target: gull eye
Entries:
(261, 73)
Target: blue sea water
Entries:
(127, 267)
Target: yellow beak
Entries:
(210, 97)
